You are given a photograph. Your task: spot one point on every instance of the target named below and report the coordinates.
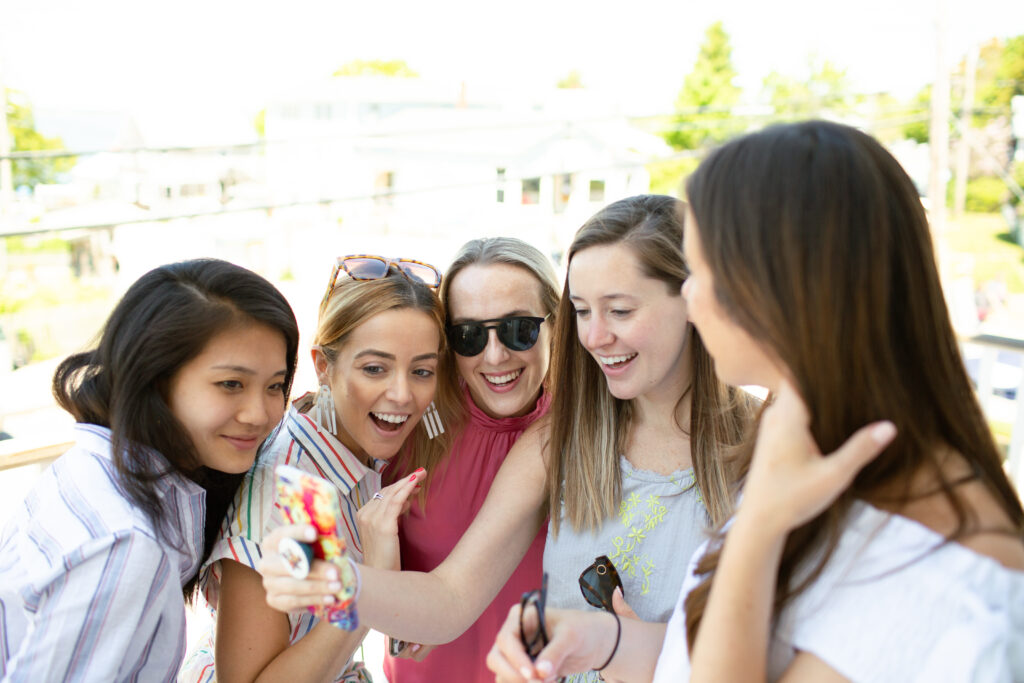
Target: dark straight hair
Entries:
(163, 321)
(819, 247)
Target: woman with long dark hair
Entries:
(899, 555)
(190, 376)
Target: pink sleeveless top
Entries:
(455, 495)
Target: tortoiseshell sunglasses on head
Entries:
(371, 267)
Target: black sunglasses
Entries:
(533, 604)
(517, 332)
(599, 581)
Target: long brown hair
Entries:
(819, 247)
(589, 426)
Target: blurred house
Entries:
(429, 160)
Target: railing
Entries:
(1000, 387)
(999, 376)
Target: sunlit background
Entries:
(280, 135)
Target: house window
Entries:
(531, 190)
(501, 185)
(597, 190)
(383, 185)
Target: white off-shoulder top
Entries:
(894, 603)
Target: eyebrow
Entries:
(606, 297)
(518, 313)
(391, 356)
(244, 370)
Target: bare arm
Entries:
(790, 482)
(252, 637)
(437, 607)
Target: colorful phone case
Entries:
(306, 499)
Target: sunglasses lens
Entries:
(365, 268)
(518, 334)
(590, 595)
(467, 339)
(421, 273)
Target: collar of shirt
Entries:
(337, 463)
(183, 501)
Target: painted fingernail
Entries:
(544, 668)
(416, 647)
(334, 586)
(526, 673)
(884, 432)
(418, 470)
(309, 534)
(329, 599)
(332, 574)
(413, 477)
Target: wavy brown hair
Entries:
(819, 248)
(589, 427)
(163, 321)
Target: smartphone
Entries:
(306, 499)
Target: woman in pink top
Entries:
(501, 295)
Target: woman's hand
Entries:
(378, 522)
(286, 593)
(579, 642)
(790, 481)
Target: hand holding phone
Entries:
(306, 499)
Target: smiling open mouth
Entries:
(617, 361)
(503, 380)
(389, 422)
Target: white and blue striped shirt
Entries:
(88, 591)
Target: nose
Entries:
(257, 409)
(596, 333)
(495, 352)
(398, 391)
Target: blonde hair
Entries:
(483, 251)
(352, 302)
(589, 427)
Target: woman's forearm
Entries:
(738, 613)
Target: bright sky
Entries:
(125, 54)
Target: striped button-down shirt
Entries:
(256, 512)
(88, 591)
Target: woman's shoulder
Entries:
(895, 592)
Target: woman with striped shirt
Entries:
(378, 354)
(191, 375)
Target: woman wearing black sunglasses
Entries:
(629, 463)
(500, 296)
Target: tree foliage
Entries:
(395, 68)
(573, 80)
(25, 138)
(702, 107)
(826, 90)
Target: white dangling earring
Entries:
(432, 421)
(325, 414)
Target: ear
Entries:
(320, 363)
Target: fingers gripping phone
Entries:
(306, 499)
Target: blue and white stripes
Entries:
(88, 591)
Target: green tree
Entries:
(1008, 79)
(826, 90)
(918, 129)
(572, 80)
(702, 107)
(396, 68)
(25, 138)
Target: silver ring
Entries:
(378, 496)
